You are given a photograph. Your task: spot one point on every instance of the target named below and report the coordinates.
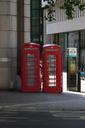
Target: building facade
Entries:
(70, 34)
(17, 18)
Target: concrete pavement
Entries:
(12, 100)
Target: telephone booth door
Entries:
(30, 68)
(52, 68)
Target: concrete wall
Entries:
(8, 43)
(14, 30)
(66, 26)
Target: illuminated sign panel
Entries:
(72, 52)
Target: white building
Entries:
(68, 34)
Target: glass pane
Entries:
(72, 64)
(35, 19)
(35, 37)
(35, 2)
(73, 39)
(82, 61)
(52, 70)
(31, 70)
(35, 13)
(35, 29)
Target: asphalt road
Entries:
(42, 119)
(53, 101)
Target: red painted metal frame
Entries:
(52, 50)
(36, 53)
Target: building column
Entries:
(8, 43)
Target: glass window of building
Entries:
(63, 44)
(82, 47)
(73, 62)
(36, 22)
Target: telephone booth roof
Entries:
(51, 45)
(31, 44)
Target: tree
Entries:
(50, 10)
(68, 6)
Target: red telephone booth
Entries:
(30, 67)
(52, 68)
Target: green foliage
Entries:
(68, 6)
(50, 10)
